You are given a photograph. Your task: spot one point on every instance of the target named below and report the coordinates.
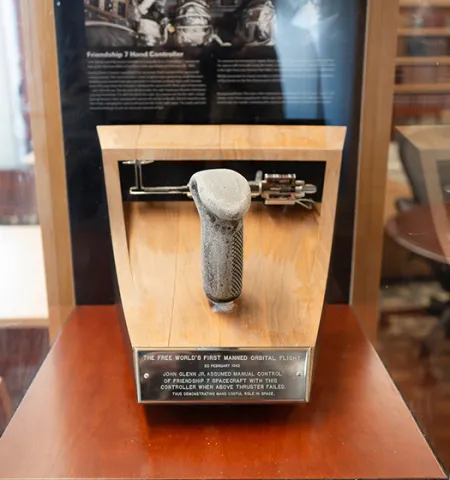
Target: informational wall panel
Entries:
(196, 61)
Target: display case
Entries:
(130, 105)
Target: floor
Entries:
(423, 380)
(22, 350)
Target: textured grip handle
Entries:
(222, 198)
(222, 258)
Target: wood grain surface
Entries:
(275, 306)
(157, 248)
(426, 3)
(41, 64)
(80, 419)
(220, 142)
(375, 133)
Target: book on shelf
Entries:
(422, 74)
(423, 46)
(424, 33)
(425, 16)
(420, 109)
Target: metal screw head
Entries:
(146, 376)
(299, 374)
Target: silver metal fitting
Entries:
(273, 188)
(280, 189)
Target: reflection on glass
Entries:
(23, 297)
(316, 50)
(414, 336)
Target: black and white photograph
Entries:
(222, 60)
(179, 23)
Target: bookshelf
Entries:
(421, 3)
(424, 32)
(423, 88)
(423, 61)
(422, 80)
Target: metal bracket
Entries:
(282, 189)
(274, 188)
(140, 189)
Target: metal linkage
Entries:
(282, 189)
(273, 188)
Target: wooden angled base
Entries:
(157, 252)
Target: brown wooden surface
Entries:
(80, 419)
(157, 254)
(422, 60)
(417, 231)
(274, 309)
(423, 88)
(220, 142)
(425, 3)
(376, 114)
(41, 69)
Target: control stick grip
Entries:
(222, 198)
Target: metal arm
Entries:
(274, 188)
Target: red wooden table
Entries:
(80, 419)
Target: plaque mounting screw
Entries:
(299, 374)
(146, 376)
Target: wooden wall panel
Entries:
(376, 115)
(41, 69)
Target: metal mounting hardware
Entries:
(282, 189)
(273, 188)
(140, 189)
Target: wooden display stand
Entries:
(157, 245)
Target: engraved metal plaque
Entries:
(222, 376)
